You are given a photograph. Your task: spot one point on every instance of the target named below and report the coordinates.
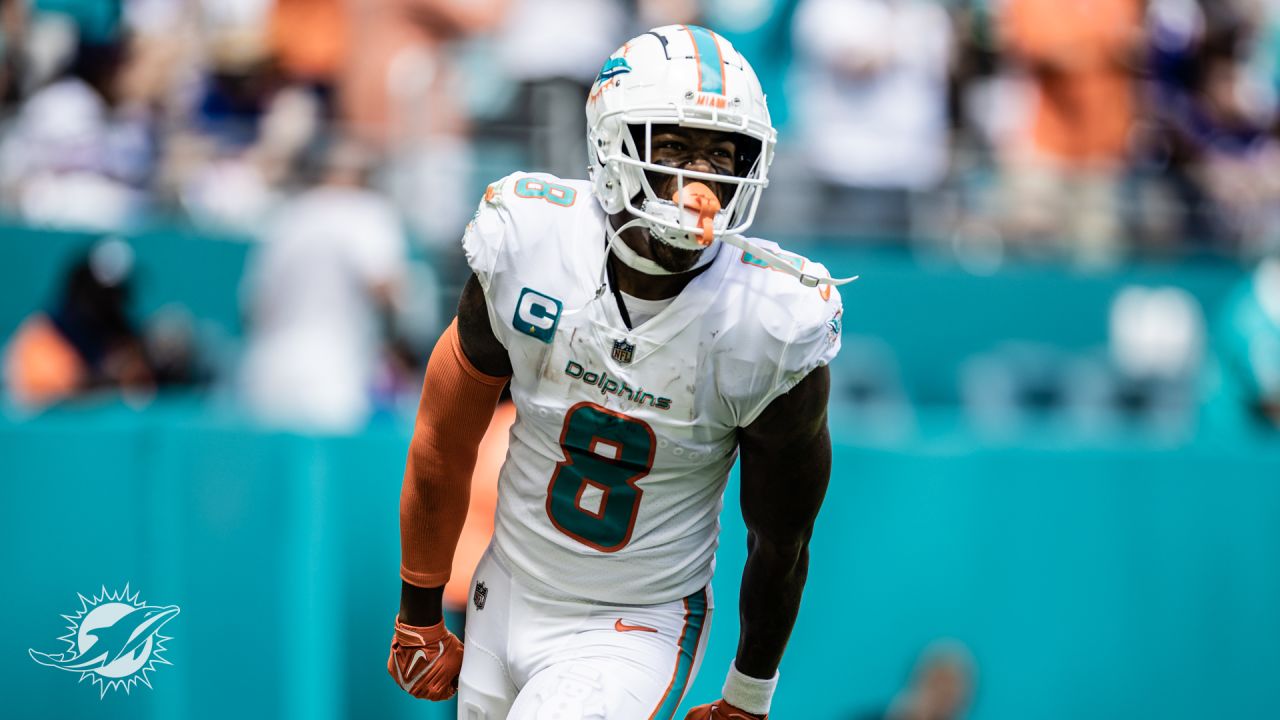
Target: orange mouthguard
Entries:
(699, 198)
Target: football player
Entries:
(649, 344)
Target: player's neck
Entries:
(653, 287)
(650, 287)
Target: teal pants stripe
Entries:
(695, 615)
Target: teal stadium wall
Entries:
(1117, 579)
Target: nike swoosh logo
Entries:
(408, 684)
(731, 714)
(623, 627)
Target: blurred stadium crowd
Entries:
(349, 139)
(1089, 129)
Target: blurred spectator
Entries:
(1145, 381)
(552, 49)
(76, 155)
(236, 94)
(940, 688)
(224, 161)
(234, 181)
(319, 293)
(871, 107)
(1217, 112)
(1264, 61)
(976, 78)
(1248, 339)
(309, 42)
(13, 25)
(400, 93)
(399, 84)
(1156, 347)
(1065, 165)
(177, 355)
(86, 341)
(164, 51)
(652, 13)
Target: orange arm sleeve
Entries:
(453, 414)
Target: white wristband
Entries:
(747, 693)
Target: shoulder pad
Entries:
(518, 216)
(789, 330)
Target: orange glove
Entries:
(721, 710)
(425, 661)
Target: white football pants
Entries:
(533, 657)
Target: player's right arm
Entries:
(420, 596)
(464, 378)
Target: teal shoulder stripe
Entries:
(695, 615)
(711, 63)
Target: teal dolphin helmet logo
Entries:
(114, 640)
(614, 66)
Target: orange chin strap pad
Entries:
(453, 414)
(700, 199)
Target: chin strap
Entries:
(633, 260)
(777, 262)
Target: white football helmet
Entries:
(677, 75)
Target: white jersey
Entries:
(624, 438)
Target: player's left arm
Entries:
(786, 464)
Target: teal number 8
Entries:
(607, 451)
(561, 195)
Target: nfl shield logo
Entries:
(623, 350)
(482, 593)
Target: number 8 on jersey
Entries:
(609, 452)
